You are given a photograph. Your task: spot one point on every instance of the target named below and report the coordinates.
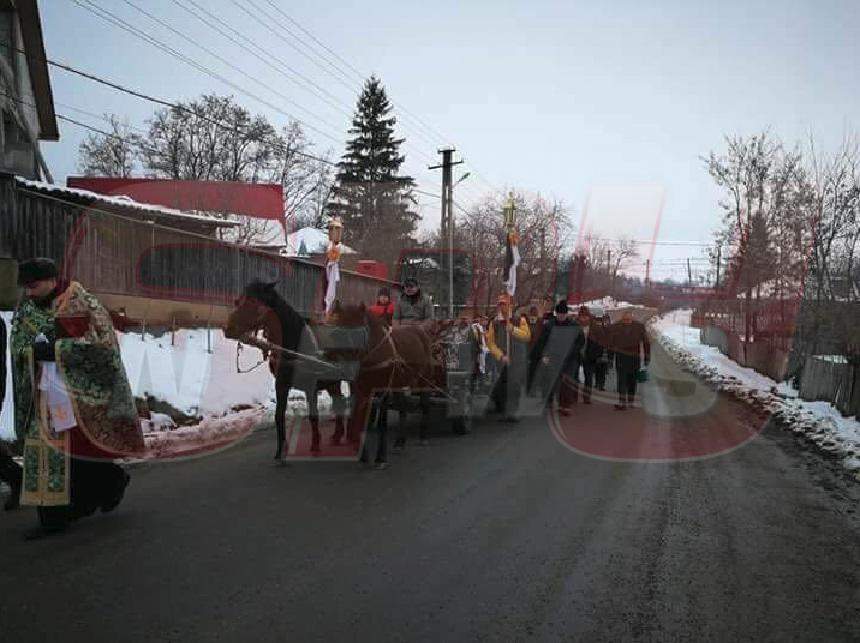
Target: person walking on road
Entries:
(555, 357)
(507, 341)
(73, 403)
(631, 348)
(600, 335)
(592, 350)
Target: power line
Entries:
(320, 93)
(270, 19)
(220, 58)
(115, 20)
(116, 86)
(213, 21)
(107, 16)
(437, 137)
(155, 100)
(440, 137)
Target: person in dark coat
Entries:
(600, 335)
(556, 357)
(592, 351)
(630, 346)
(10, 472)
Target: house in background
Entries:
(26, 102)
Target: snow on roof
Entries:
(122, 201)
(315, 241)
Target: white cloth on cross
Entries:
(332, 274)
(511, 283)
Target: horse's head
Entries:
(251, 308)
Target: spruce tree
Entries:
(369, 195)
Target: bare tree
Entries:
(113, 154)
(763, 212)
(544, 227)
(305, 176)
(210, 139)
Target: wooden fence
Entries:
(837, 382)
(154, 272)
(823, 378)
(762, 357)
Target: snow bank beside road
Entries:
(194, 370)
(819, 422)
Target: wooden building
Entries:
(154, 266)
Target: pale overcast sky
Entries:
(605, 103)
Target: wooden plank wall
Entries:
(137, 263)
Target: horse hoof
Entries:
(379, 466)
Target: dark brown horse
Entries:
(396, 358)
(293, 356)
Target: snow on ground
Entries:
(820, 422)
(210, 434)
(194, 371)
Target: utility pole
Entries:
(689, 273)
(719, 261)
(543, 260)
(647, 273)
(446, 229)
(609, 279)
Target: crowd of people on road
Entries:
(550, 353)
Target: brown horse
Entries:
(396, 358)
(261, 308)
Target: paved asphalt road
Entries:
(504, 534)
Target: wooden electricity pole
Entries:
(446, 229)
(719, 261)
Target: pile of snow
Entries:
(157, 422)
(210, 434)
(819, 422)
